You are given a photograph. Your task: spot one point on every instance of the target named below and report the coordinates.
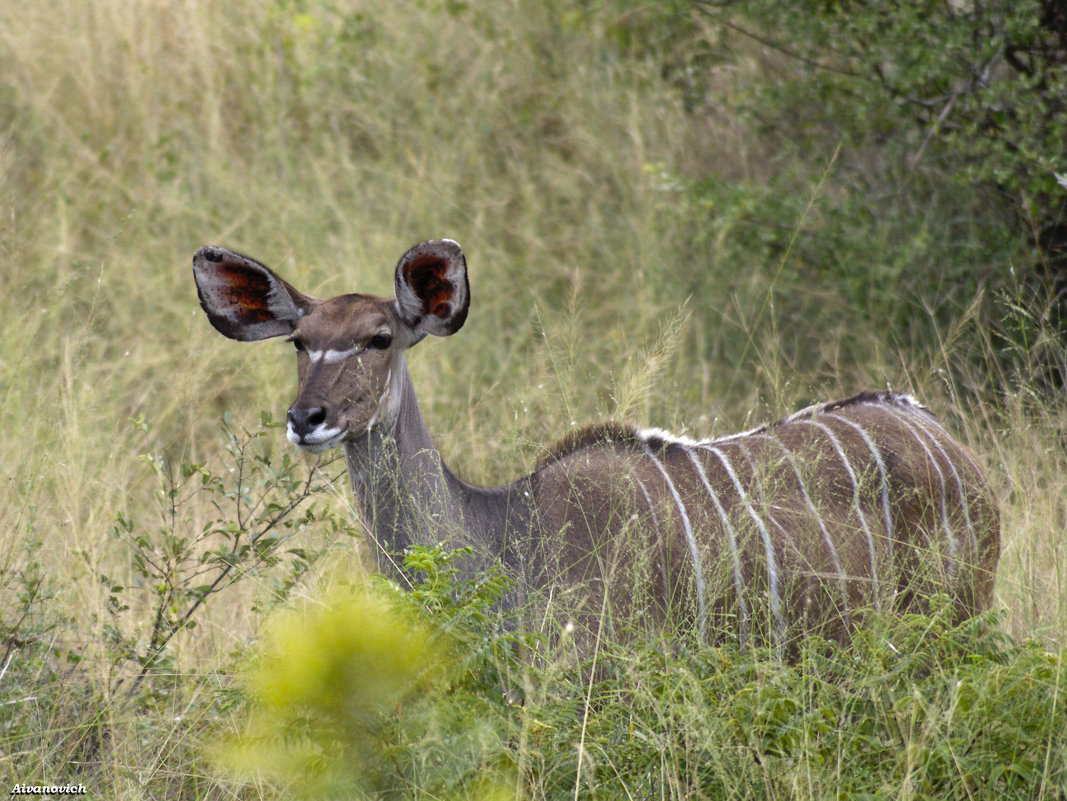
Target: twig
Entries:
(10, 656)
(786, 51)
(19, 700)
(914, 161)
(589, 695)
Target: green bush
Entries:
(968, 96)
(914, 703)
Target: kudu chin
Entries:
(800, 525)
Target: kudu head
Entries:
(349, 348)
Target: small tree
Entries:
(977, 88)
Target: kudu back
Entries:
(801, 525)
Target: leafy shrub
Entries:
(384, 701)
(969, 96)
(262, 502)
(984, 83)
(382, 693)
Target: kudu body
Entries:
(798, 525)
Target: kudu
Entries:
(794, 526)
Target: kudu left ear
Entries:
(243, 299)
(432, 292)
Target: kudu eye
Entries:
(380, 341)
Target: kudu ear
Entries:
(432, 292)
(243, 299)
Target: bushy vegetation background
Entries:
(693, 216)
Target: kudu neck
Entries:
(410, 497)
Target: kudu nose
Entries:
(305, 419)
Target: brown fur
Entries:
(813, 547)
(610, 434)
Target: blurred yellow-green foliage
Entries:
(363, 688)
(326, 681)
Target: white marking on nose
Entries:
(331, 356)
(318, 440)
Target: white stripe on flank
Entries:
(648, 500)
(818, 519)
(693, 551)
(930, 421)
(922, 424)
(964, 505)
(908, 408)
(805, 413)
(772, 561)
(855, 503)
(655, 525)
(731, 538)
(881, 469)
(953, 546)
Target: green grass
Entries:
(633, 252)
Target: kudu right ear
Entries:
(243, 299)
(432, 293)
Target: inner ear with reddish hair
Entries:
(432, 292)
(244, 299)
